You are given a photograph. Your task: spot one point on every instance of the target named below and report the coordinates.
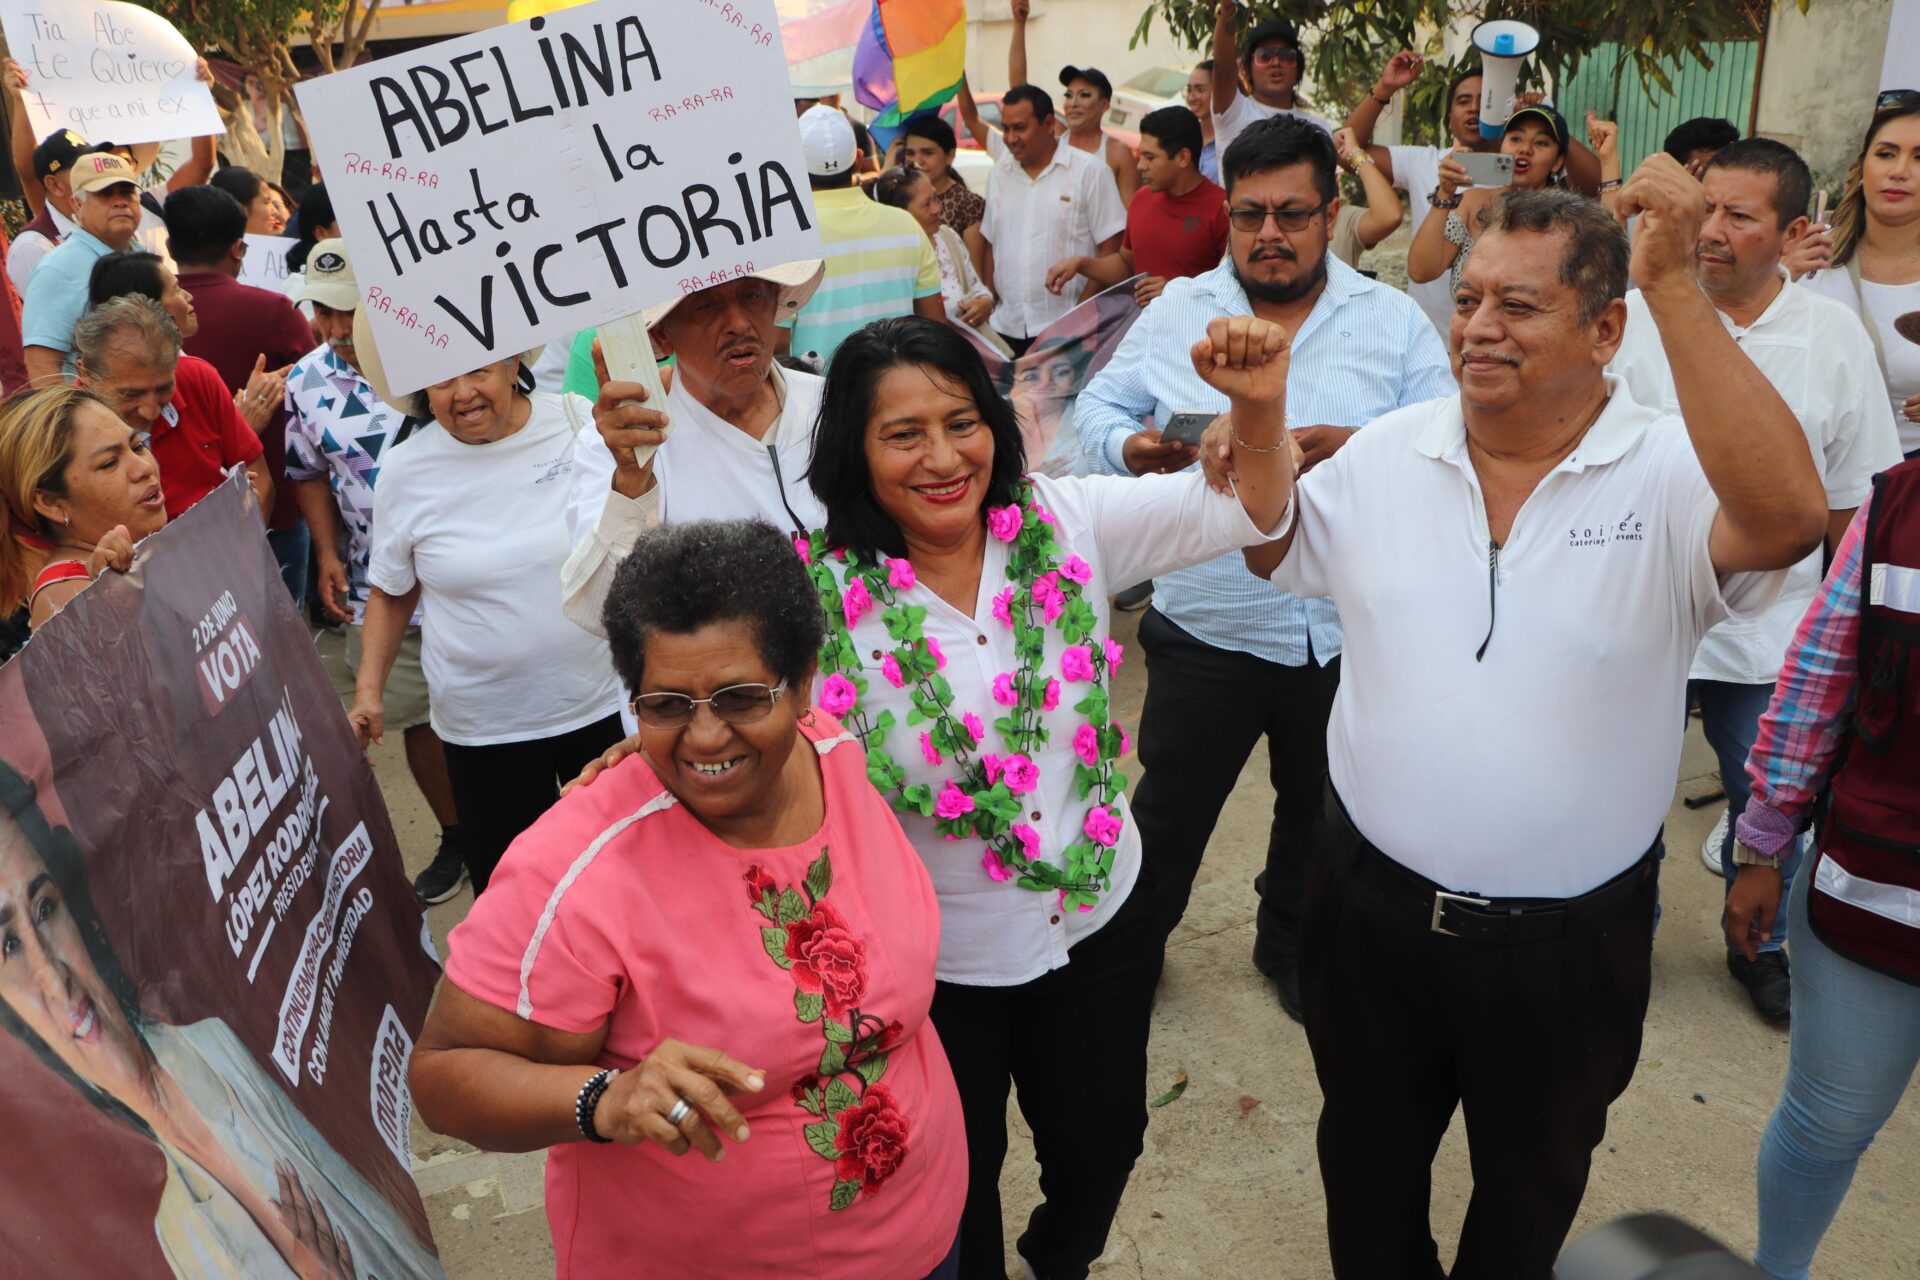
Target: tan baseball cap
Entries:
(97, 170)
(330, 279)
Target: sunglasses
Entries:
(1285, 219)
(1275, 53)
(735, 704)
(1890, 98)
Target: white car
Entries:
(1148, 91)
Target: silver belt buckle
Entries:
(1440, 900)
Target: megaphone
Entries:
(1503, 44)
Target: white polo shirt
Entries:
(1033, 222)
(1546, 767)
(1816, 354)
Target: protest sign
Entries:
(218, 966)
(265, 266)
(517, 185)
(110, 72)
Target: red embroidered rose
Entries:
(872, 1141)
(759, 885)
(805, 1085)
(828, 960)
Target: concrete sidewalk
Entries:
(1229, 1185)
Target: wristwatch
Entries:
(1745, 855)
(1439, 201)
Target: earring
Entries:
(807, 719)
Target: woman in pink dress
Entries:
(703, 981)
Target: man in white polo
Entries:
(1818, 357)
(1523, 573)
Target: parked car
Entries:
(1148, 91)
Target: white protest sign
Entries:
(110, 72)
(520, 184)
(265, 265)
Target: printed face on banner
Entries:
(110, 72)
(523, 183)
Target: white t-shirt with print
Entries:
(1243, 111)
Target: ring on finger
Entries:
(678, 1112)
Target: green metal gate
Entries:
(1725, 91)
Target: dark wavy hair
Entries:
(60, 852)
(838, 473)
(682, 577)
(128, 271)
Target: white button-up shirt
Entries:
(1363, 351)
(1032, 222)
(1817, 356)
(994, 933)
(1546, 768)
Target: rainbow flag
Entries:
(911, 56)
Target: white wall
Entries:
(1067, 32)
(1818, 81)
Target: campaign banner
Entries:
(265, 266)
(1046, 382)
(215, 964)
(517, 185)
(110, 72)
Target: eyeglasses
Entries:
(1285, 219)
(1890, 98)
(735, 704)
(1276, 53)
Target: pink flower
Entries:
(1046, 516)
(994, 767)
(1051, 697)
(890, 668)
(855, 603)
(974, 727)
(900, 575)
(1077, 570)
(837, 695)
(1085, 906)
(1003, 690)
(1126, 743)
(939, 658)
(1076, 662)
(953, 802)
(1004, 523)
(995, 868)
(1003, 605)
(805, 548)
(1047, 594)
(927, 749)
(1029, 840)
(1102, 826)
(1086, 745)
(1022, 774)
(1116, 653)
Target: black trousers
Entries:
(1206, 709)
(501, 789)
(1535, 1040)
(1074, 1043)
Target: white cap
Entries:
(826, 137)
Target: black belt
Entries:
(1492, 921)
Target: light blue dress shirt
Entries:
(57, 292)
(1365, 350)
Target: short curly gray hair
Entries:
(682, 577)
(131, 315)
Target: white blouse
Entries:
(1128, 529)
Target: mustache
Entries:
(1486, 355)
(1287, 255)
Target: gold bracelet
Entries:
(1255, 448)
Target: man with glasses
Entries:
(1232, 660)
(1273, 65)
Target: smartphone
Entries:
(1187, 428)
(1820, 208)
(1488, 168)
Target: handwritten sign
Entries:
(110, 72)
(265, 265)
(522, 183)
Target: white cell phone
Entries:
(1488, 168)
(1187, 428)
(1820, 208)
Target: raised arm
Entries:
(1773, 509)
(1017, 46)
(970, 120)
(1382, 216)
(1605, 137)
(1431, 254)
(22, 138)
(1226, 58)
(1246, 360)
(1400, 71)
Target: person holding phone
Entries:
(1535, 140)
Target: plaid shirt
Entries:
(1806, 721)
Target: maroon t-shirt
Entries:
(1177, 235)
(237, 324)
(201, 437)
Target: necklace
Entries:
(984, 797)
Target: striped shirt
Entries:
(1364, 350)
(1805, 723)
(878, 262)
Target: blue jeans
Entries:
(290, 548)
(1730, 715)
(1856, 1041)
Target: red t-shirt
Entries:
(200, 437)
(1177, 235)
(238, 324)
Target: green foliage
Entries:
(1348, 42)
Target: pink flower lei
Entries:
(984, 797)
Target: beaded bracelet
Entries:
(587, 1099)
